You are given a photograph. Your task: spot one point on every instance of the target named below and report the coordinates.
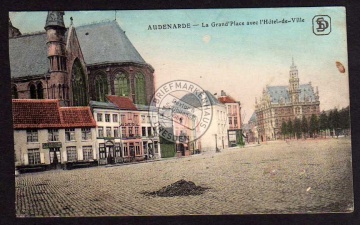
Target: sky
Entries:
(241, 60)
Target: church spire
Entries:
(55, 19)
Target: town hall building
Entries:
(284, 103)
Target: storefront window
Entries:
(34, 156)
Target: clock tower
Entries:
(294, 89)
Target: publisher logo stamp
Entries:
(321, 25)
(184, 111)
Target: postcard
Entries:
(181, 112)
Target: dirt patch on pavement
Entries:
(179, 188)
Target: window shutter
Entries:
(42, 157)
(64, 156)
(26, 159)
(80, 154)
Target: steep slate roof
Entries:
(106, 42)
(103, 105)
(103, 42)
(276, 92)
(191, 99)
(306, 91)
(28, 55)
(41, 114)
(122, 102)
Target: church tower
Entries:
(56, 45)
(294, 90)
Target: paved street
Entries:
(278, 177)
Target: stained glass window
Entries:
(140, 93)
(101, 87)
(79, 87)
(121, 84)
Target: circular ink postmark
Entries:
(184, 111)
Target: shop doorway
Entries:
(110, 152)
(182, 149)
(55, 158)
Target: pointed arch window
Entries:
(79, 87)
(53, 91)
(140, 93)
(121, 84)
(14, 92)
(60, 91)
(32, 91)
(65, 93)
(40, 91)
(101, 87)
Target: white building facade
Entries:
(149, 131)
(52, 137)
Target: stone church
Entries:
(281, 103)
(77, 64)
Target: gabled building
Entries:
(284, 103)
(149, 119)
(49, 136)
(108, 132)
(233, 113)
(233, 110)
(130, 128)
(215, 136)
(77, 64)
(250, 129)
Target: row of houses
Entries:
(49, 136)
(222, 130)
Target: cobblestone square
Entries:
(309, 176)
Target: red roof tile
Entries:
(77, 117)
(226, 99)
(122, 102)
(46, 113)
(35, 113)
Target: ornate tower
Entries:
(294, 89)
(55, 30)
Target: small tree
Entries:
(304, 126)
(297, 128)
(284, 129)
(290, 129)
(331, 122)
(323, 122)
(336, 122)
(313, 125)
(345, 119)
